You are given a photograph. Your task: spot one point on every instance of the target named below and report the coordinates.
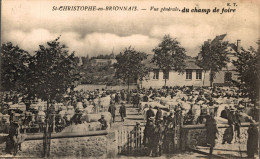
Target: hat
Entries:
(102, 116)
(137, 123)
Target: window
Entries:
(166, 74)
(228, 77)
(198, 74)
(155, 74)
(188, 74)
(212, 76)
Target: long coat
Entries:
(112, 110)
(252, 141)
(158, 114)
(122, 111)
(212, 130)
(136, 99)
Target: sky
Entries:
(29, 23)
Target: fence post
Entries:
(54, 122)
(131, 142)
(123, 139)
(128, 142)
(118, 146)
(140, 139)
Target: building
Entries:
(229, 73)
(193, 74)
(102, 62)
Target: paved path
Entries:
(234, 150)
(131, 118)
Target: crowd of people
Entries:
(159, 131)
(174, 106)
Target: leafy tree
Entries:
(14, 65)
(129, 65)
(247, 65)
(169, 55)
(52, 71)
(213, 57)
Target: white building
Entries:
(192, 76)
(102, 62)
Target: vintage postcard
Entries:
(138, 79)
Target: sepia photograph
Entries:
(132, 79)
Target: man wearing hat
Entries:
(112, 110)
(137, 135)
(158, 137)
(122, 111)
(212, 131)
(136, 100)
(252, 141)
(158, 114)
(149, 134)
(15, 139)
(103, 122)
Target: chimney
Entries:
(207, 42)
(238, 45)
(199, 56)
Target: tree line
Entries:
(52, 69)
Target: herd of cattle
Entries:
(194, 102)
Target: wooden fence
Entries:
(130, 142)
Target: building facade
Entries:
(229, 73)
(193, 75)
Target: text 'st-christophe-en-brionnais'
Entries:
(94, 8)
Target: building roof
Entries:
(189, 61)
(233, 46)
(191, 64)
(221, 37)
(218, 38)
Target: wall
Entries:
(91, 87)
(176, 79)
(221, 75)
(229, 68)
(71, 146)
(195, 135)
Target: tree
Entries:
(52, 71)
(129, 65)
(14, 65)
(213, 58)
(169, 55)
(247, 65)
